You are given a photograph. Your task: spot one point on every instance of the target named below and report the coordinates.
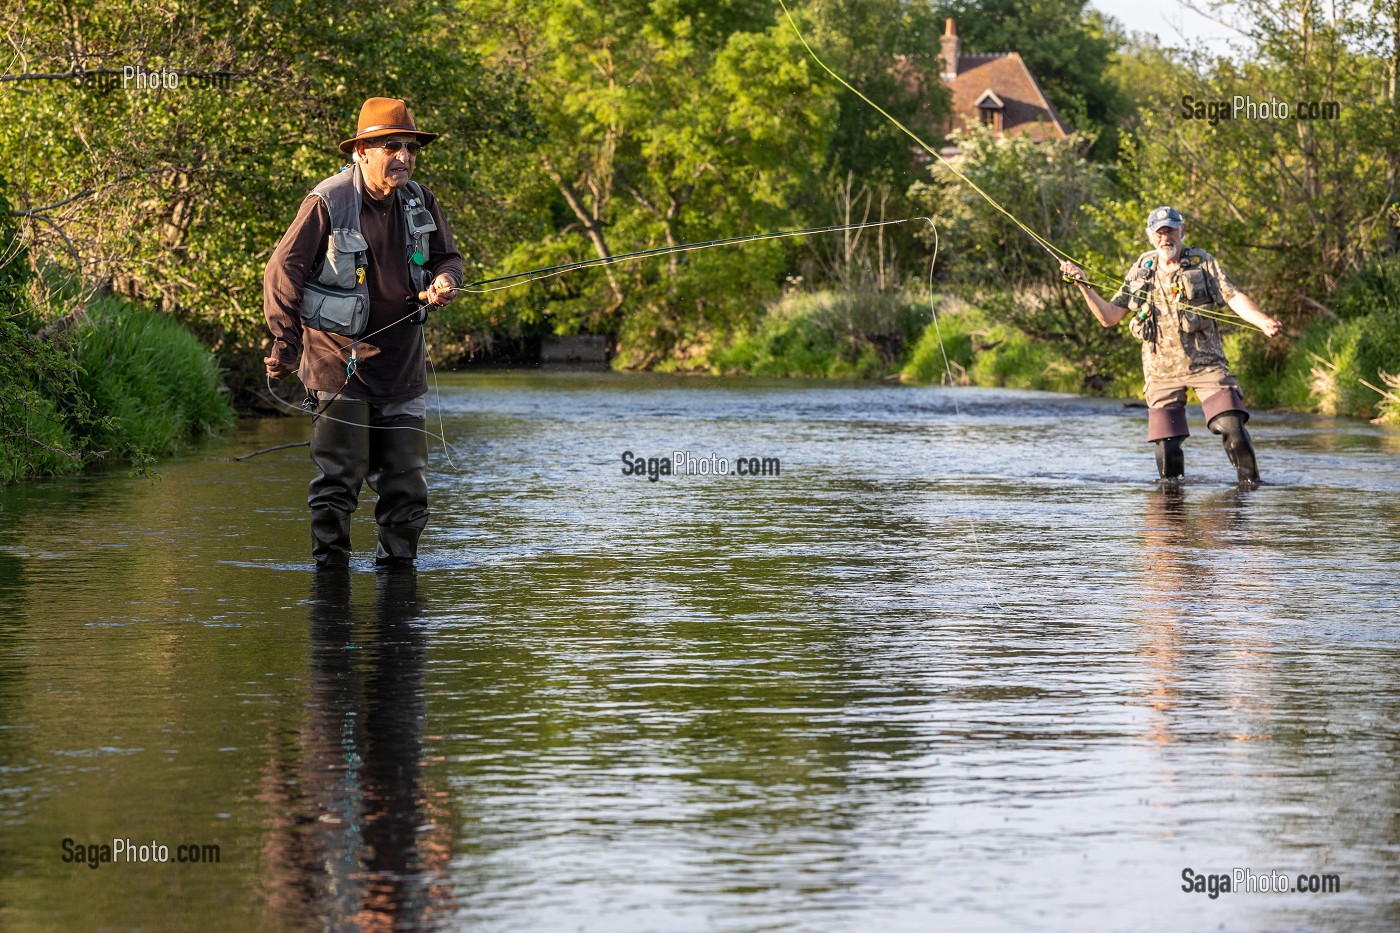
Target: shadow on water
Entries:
(357, 840)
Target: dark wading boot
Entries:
(1230, 426)
(398, 463)
(341, 452)
(1171, 460)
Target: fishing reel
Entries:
(1147, 326)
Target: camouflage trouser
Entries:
(1218, 391)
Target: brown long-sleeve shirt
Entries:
(391, 355)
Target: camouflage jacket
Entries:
(1176, 340)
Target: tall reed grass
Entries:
(155, 388)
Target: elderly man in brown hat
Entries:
(1172, 291)
(341, 295)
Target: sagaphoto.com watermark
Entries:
(689, 463)
(140, 79)
(1248, 881)
(122, 851)
(1243, 107)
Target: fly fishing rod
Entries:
(1055, 253)
(515, 279)
(534, 275)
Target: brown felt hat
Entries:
(385, 116)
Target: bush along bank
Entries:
(827, 335)
(983, 351)
(1327, 368)
(876, 335)
(126, 385)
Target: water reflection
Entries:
(677, 754)
(358, 840)
(1193, 580)
(945, 670)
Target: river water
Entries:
(959, 665)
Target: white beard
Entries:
(1168, 255)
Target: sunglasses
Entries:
(395, 145)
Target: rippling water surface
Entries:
(959, 665)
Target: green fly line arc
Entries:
(1054, 251)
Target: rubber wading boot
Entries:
(1171, 460)
(1230, 426)
(398, 463)
(340, 450)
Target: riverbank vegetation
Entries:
(124, 386)
(157, 388)
(829, 335)
(576, 130)
(108, 383)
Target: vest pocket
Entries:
(1195, 287)
(335, 312)
(342, 252)
(1139, 291)
(1193, 323)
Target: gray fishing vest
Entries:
(336, 298)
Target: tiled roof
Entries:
(1026, 109)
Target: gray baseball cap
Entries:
(1164, 217)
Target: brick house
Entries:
(997, 90)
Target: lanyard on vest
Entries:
(418, 224)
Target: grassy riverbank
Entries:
(827, 335)
(982, 351)
(1327, 368)
(892, 335)
(124, 385)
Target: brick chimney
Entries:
(950, 51)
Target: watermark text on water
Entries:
(687, 463)
(1247, 881)
(129, 852)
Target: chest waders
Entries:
(1238, 447)
(354, 441)
(1225, 415)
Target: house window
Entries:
(991, 117)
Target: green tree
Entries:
(662, 123)
(176, 195)
(14, 265)
(1293, 195)
(1051, 188)
(32, 438)
(889, 50)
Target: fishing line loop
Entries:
(498, 283)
